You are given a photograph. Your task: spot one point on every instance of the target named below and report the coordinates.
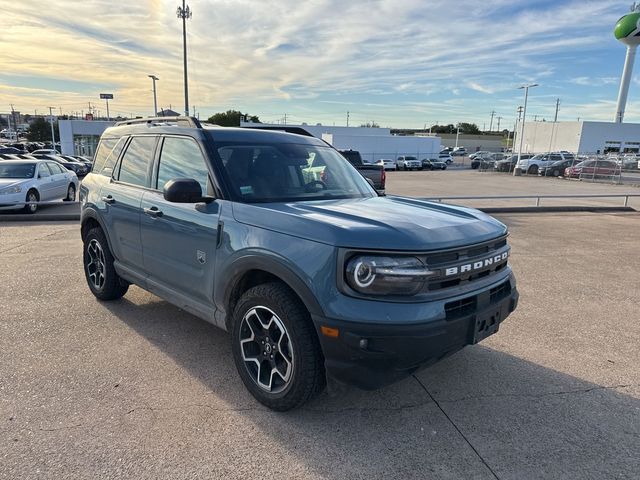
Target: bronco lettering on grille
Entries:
(470, 267)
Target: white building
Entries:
(80, 137)
(579, 137)
(372, 143)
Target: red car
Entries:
(592, 168)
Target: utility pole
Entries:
(53, 137)
(555, 119)
(493, 112)
(155, 98)
(15, 123)
(347, 118)
(184, 13)
(499, 118)
(524, 117)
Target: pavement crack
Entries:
(33, 241)
(457, 428)
(539, 395)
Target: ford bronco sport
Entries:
(314, 275)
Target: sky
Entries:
(399, 63)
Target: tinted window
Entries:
(181, 158)
(55, 168)
(134, 167)
(290, 172)
(104, 149)
(43, 171)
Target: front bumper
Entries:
(371, 356)
(12, 201)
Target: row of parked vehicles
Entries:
(556, 164)
(409, 162)
(77, 164)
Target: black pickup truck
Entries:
(372, 172)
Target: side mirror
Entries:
(184, 190)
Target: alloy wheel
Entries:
(32, 197)
(266, 349)
(96, 266)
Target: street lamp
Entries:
(524, 116)
(184, 12)
(155, 99)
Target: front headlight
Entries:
(10, 190)
(386, 275)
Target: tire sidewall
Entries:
(245, 304)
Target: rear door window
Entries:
(134, 167)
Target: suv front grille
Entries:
(464, 265)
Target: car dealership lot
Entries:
(138, 388)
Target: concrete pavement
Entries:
(138, 388)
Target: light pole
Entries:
(53, 137)
(155, 98)
(184, 12)
(524, 116)
(457, 135)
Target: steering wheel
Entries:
(308, 186)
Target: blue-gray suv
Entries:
(277, 239)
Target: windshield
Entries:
(17, 170)
(282, 172)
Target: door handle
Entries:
(153, 212)
(109, 199)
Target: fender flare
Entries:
(273, 265)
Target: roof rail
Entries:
(190, 121)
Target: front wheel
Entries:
(533, 170)
(31, 199)
(99, 271)
(276, 348)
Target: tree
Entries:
(231, 118)
(40, 131)
(370, 125)
(469, 128)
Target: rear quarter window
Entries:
(107, 155)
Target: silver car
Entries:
(23, 183)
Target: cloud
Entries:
(298, 56)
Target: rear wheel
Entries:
(99, 271)
(556, 173)
(275, 347)
(533, 170)
(71, 193)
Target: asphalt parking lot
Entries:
(140, 389)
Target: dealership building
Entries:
(584, 137)
(80, 137)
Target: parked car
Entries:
(73, 158)
(312, 280)
(446, 158)
(533, 164)
(46, 151)
(407, 162)
(480, 153)
(9, 150)
(556, 169)
(509, 163)
(78, 168)
(374, 173)
(9, 156)
(24, 181)
(446, 150)
(459, 152)
(389, 164)
(593, 168)
(429, 164)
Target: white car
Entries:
(533, 164)
(407, 162)
(446, 158)
(45, 151)
(388, 164)
(24, 181)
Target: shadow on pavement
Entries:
(524, 420)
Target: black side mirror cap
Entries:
(184, 190)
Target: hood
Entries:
(7, 182)
(393, 223)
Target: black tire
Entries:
(307, 377)
(112, 287)
(420, 169)
(533, 170)
(444, 168)
(556, 173)
(31, 196)
(71, 193)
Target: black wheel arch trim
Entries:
(89, 213)
(273, 265)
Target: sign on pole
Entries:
(106, 97)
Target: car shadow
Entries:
(524, 420)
